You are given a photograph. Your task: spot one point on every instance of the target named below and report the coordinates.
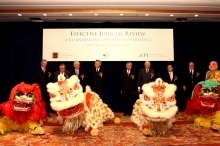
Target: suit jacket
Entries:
(144, 77)
(127, 82)
(97, 82)
(189, 79)
(81, 76)
(66, 74)
(42, 78)
(166, 78)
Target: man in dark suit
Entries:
(145, 75)
(128, 87)
(42, 78)
(80, 73)
(170, 76)
(190, 78)
(62, 71)
(97, 79)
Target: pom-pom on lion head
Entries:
(158, 100)
(66, 96)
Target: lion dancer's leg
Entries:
(145, 126)
(7, 125)
(4, 127)
(32, 127)
(138, 118)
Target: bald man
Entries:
(213, 73)
(190, 79)
(145, 75)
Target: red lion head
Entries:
(24, 104)
(204, 101)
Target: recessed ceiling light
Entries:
(96, 14)
(121, 14)
(146, 14)
(70, 14)
(171, 15)
(19, 14)
(196, 15)
(45, 14)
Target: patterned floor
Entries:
(125, 134)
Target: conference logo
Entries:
(106, 54)
(143, 55)
(55, 55)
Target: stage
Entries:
(125, 134)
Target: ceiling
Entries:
(110, 10)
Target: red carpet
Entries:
(125, 134)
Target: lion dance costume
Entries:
(24, 111)
(75, 108)
(204, 106)
(154, 112)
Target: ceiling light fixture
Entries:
(196, 15)
(171, 15)
(96, 14)
(45, 14)
(121, 14)
(70, 14)
(146, 14)
(19, 14)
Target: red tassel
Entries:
(90, 129)
(145, 126)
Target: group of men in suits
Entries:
(42, 77)
(129, 84)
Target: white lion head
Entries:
(66, 96)
(158, 100)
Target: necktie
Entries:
(128, 72)
(191, 73)
(170, 76)
(77, 72)
(147, 70)
(44, 70)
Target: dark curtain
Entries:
(21, 53)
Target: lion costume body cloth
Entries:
(25, 111)
(75, 108)
(204, 106)
(154, 112)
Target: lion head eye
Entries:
(146, 98)
(170, 99)
(52, 95)
(76, 87)
(30, 95)
(19, 94)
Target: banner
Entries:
(108, 44)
